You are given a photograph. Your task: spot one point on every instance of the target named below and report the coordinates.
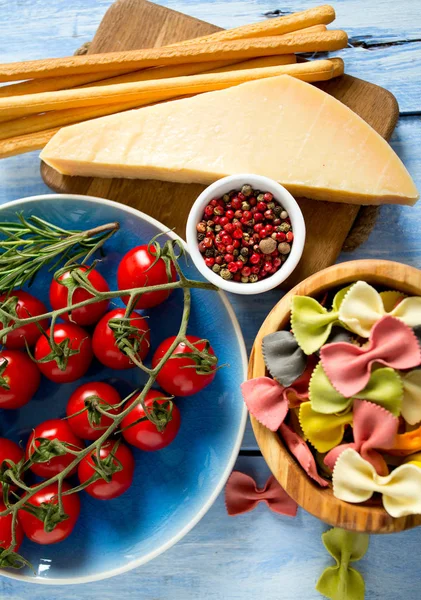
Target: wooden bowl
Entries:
(320, 502)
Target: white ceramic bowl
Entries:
(282, 196)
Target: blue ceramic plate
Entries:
(174, 487)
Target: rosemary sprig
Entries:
(32, 243)
(43, 243)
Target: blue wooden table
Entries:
(258, 555)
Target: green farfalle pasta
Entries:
(384, 388)
(341, 581)
(312, 323)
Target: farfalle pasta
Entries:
(374, 429)
(363, 306)
(341, 581)
(345, 393)
(385, 387)
(356, 480)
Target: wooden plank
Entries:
(131, 24)
(256, 555)
(259, 554)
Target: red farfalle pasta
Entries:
(268, 401)
(392, 343)
(374, 429)
(242, 495)
(297, 446)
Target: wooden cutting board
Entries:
(133, 24)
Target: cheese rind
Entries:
(279, 127)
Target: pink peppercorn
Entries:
(255, 259)
(226, 239)
(234, 226)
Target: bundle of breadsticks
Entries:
(55, 92)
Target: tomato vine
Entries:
(36, 241)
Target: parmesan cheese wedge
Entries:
(280, 127)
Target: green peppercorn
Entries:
(226, 198)
(260, 198)
(253, 278)
(244, 251)
(243, 258)
(225, 274)
(218, 228)
(245, 205)
(235, 252)
(271, 205)
(284, 227)
(216, 268)
(247, 190)
(244, 280)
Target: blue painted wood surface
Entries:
(258, 555)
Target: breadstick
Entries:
(159, 89)
(196, 68)
(39, 122)
(280, 25)
(153, 57)
(50, 84)
(26, 143)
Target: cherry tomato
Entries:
(178, 376)
(77, 364)
(50, 430)
(80, 423)
(104, 342)
(19, 380)
(87, 315)
(34, 527)
(6, 531)
(137, 269)
(145, 435)
(27, 306)
(120, 480)
(10, 451)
